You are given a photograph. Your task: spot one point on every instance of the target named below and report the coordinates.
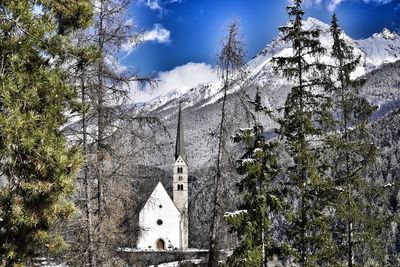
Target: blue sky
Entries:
(181, 31)
(196, 26)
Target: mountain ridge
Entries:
(376, 50)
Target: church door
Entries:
(160, 244)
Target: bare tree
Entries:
(103, 191)
(230, 66)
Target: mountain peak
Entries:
(277, 44)
(387, 34)
(310, 22)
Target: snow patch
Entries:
(178, 263)
(234, 213)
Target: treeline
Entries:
(306, 199)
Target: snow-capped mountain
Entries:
(261, 64)
(201, 104)
(376, 50)
(380, 48)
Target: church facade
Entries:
(165, 221)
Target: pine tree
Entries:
(392, 226)
(37, 163)
(262, 197)
(230, 64)
(360, 203)
(308, 215)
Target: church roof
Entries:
(180, 142)
(159, 194)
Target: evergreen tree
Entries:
(308, 217)
(392, 226)
(37, 163)
(262, 198)
(359, 203)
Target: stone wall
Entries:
(148, 258)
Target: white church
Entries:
(164, 220)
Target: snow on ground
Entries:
(177, 263)
(43, 262)
(136, 250)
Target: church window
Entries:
(160, 206)
(180, 186)
(159, 222)
(180, 170)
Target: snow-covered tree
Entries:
(261, 190)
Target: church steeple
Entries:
(180, 142)
(181, 183)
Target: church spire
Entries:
(180, 143)
(181, 182)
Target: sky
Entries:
(182, 37)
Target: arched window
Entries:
(180, 170)
(180, 186)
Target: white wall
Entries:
(169, 231)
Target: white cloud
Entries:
(159, 5)
(312, 2)
(181, 78)
(380, 2)
(332, 4)
(158, 34)
(154, 5)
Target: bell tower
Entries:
(180, 182)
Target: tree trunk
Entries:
(217, 178)
(350, 245)
(88, 208)
(100, 122)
